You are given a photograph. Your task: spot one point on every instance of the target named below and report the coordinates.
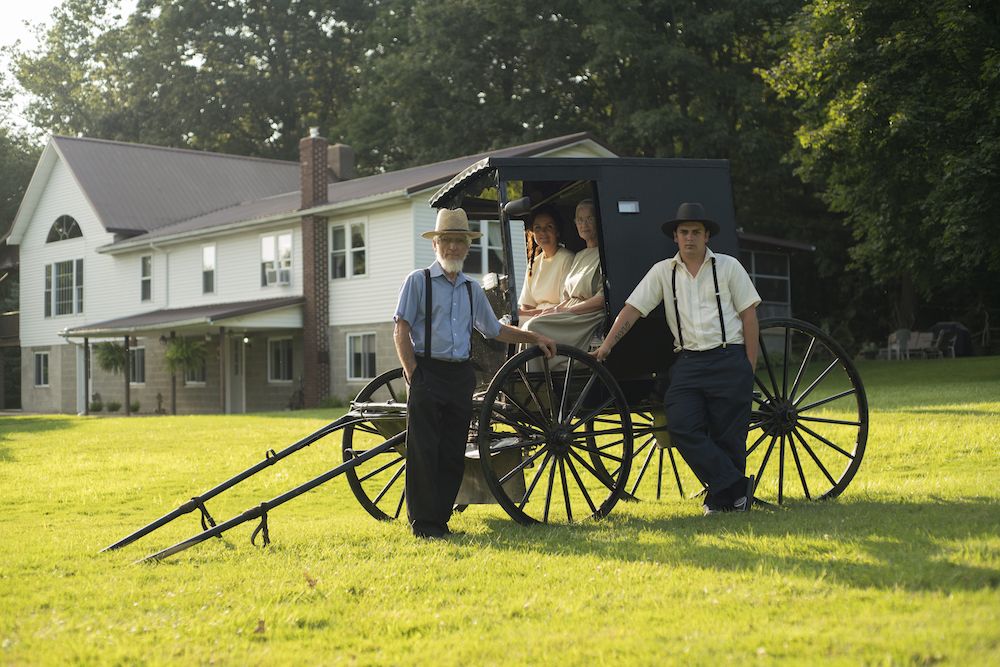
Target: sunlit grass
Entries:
(903, 568)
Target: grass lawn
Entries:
(904, 568)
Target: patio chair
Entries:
(899, 344)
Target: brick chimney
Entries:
(315, 281)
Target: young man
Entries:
(433, 339)
(711, 309)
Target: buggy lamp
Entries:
(628, 206)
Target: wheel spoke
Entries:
(592, 471)
(767, 455)
(579, 483)
(846, 392)
(677, 474)
(815, 382)
(781, 470)
(534, 480)
(522, 428)
(523, 464)
(549, 388)
(785, 361)
(380, 469)
(642, 469)
(593, 413)
(770, 371)
(598, 451)
(798, 466)
(389, 484)
(565, 391)
(580, 399)
(531, 392)
(525, 443)
(565, 486)
(815, 458)
(824, 440)
(392, 392)
(759, 440)
(508, 395)
(824, 420)
(548, 492)
(802, 367)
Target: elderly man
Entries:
(712, 313)
(437, 311)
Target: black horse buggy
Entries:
(564, 439)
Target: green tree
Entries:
(18, 156)
(246, 77)
(898, 105)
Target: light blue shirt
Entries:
(451, 320)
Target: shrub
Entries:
(134, 406)
(113, 406)
(96, 406)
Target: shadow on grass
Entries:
(27, 424)
(889, 545)
(966, 412)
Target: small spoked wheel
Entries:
(555, 437)
(809, 423)
(379, 484)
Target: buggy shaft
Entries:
(263, 508)
(198, 501)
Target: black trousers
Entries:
(708, 413)
(438, 409)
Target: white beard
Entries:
(450, 265)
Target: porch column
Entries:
(86, 376)
(222, 370)
(128, 373)
(173, 384)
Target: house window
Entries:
(41, 369)
(486, 252)
(146, 277)
(137, 365)
(279, 360)
(195, 375)
(276, 259)
(360, 356)
(63, 228)
(208, 269)
(348, 250)
(770, 274)
(64, 287)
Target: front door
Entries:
(235, 374)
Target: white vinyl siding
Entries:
(361, 356)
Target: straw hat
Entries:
(452, 221)
(690, 212)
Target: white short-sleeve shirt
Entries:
(696, 299)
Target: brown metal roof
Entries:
(407, 181)
(136, 188)
(159, 320)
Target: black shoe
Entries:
(745, 502)
(428, 531)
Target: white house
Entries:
(288, 272)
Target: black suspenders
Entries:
(718, 302)
(429, 309)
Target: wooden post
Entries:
(222, 370)
(173, 385)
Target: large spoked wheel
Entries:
(809, 423)
(379, 483)
(555, 437)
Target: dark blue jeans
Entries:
(439, 409)
(708, 413)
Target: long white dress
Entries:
(583, 281)
(543, 288)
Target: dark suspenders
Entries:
(718, 302)
(429, 310)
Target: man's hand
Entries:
(547, 344)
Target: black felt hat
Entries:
(690, 212)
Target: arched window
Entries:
(65, 227)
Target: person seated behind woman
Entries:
(548, 264)
(581, 311)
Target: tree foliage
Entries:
(898, 106)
